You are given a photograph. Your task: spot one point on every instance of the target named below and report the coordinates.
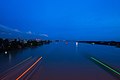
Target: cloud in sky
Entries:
(29, 32)
(36, 34)
(4, 27)
(7, 29)
(10, 31)
(16, 30)
(44, 35)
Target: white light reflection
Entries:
(10, 57)
(76, 47)
(76, 44)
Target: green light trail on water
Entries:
(105, 65)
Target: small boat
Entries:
(76, 43)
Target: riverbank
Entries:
(108, 43)
(14, 44)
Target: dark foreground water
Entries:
(61, 61)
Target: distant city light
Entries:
(93, 43)
(6, 52)
(76, 43)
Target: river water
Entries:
(61, 61)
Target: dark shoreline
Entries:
(16, 44)
(108, 43)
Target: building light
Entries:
(93, 43)
(6, 52)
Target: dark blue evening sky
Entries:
(63, 19)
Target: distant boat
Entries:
(66, 42)
(76, 43)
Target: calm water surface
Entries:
(68, 61)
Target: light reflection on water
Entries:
(10, 57)
(67, 61)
